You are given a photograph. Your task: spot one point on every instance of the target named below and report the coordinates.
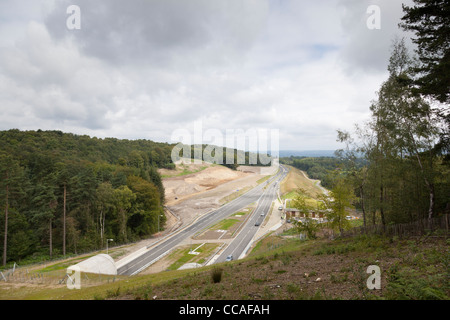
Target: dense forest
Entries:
(63, 193)
(319, 168)
(406, 146)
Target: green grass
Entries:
(183, 256)
(263, 179)
(225, 224)
(313, 203)
(241, 213)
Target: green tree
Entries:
(44, 203)
(430, 21)
(300, 202)
(11, 190)
(123, 200)
(54, 190)
(340, 198)
(308, 226)
(105, 204)
(147, 211)
(404, 121)
(21, 241)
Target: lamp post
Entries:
(107, 240)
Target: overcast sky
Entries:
(141, 69)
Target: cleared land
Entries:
(191, 195)
(296, 180)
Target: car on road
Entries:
(280, 208)
(257, 223)
(229, 258)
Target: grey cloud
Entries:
(369, 49)
(159, 32)
(51, 82)
(142, 68)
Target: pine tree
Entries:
(430, 21)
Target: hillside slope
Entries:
(297, 179)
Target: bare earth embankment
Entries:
(191, 195)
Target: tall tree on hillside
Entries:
(147, 214)
(307, 225)
(357, 174)
(123, 200)
(104, 203)
(339, 200)
(155, 177)
(406, 119)
(398, 143)
(63, 178)
(12, 185)
(5, 243)
(44, 202)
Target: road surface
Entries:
(242, 242)
(265, 195)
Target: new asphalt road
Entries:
(264, 193)
(239, 246)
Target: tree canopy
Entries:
(430, 21)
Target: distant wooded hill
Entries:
(306, 153)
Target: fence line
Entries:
(416, 228)
(56, 277)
